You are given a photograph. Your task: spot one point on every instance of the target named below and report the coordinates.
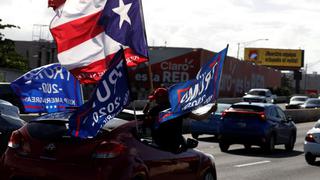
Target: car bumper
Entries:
(313, 148)
(18, 167)
(243, 139)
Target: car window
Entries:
(257, 92)
(298, 99)
(273, 113)
(247, 108)
(313, 101)
(281, 114)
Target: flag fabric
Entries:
(110, 97)
(89, 33)
(48, 89)
(186, 96)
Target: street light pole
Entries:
(247, 43)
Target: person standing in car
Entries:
(168, 135)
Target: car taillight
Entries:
(310, 138)
(108, 150)
(16, 140)
(262, 116)
(223, 114)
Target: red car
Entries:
(42, 150)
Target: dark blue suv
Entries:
(265, 125)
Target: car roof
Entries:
(254, 104)
(259, 89)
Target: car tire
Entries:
(310, 158)
(209, 175)
(224, 146)
(269, 146)
(290, 145)
(195, 136)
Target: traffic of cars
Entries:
(124, 149)
(42, 150)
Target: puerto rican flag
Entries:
(88, 33)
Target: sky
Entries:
(207, 24)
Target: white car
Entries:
(259, 95)
(312, 144)
(296, 101)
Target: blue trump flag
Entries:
(48, 89)
(187, 96)
(110, 97)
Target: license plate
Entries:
(241, 125)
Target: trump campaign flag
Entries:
(186, 96)
(110, 97)
(89, 33)
(48, 89)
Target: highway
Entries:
(254, 164)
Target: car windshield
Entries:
(257, 92)
(317, 125)
(313, 101)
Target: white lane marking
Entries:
(251, 164)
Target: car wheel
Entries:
(310, 158)
(269, 145)
(195, 136)
(224, 146)
(209, 175)
(247, 146)
(290, 145)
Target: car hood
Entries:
(314, 130)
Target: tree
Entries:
(9, 58)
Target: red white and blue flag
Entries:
(89, 32)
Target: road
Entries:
(254, 164)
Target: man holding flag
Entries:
(172, 106)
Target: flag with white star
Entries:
(89, 33)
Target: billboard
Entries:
(285, 59)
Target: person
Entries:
(168, 135)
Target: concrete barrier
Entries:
(303, 115)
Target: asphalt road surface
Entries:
(254, 164)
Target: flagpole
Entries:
(225, 57)
(145, 35)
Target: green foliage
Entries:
(8, 56)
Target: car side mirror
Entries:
(192, 143)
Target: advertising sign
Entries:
(277, 58)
